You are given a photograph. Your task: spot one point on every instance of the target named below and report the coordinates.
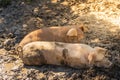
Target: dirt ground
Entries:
(101, 17)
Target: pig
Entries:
(68, 34)
(58, 53)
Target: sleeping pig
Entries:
(59, 53)
(69, 34)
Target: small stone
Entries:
(25, 27)
(36, 10)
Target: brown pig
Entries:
(59, 53)
(60, 34)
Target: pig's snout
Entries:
(108, 64)
(104, 63)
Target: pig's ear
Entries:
(100, 50)
(91, 58)
(100, 53)
(72, 32)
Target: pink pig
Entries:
(58, 53)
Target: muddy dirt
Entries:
(101, 17)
